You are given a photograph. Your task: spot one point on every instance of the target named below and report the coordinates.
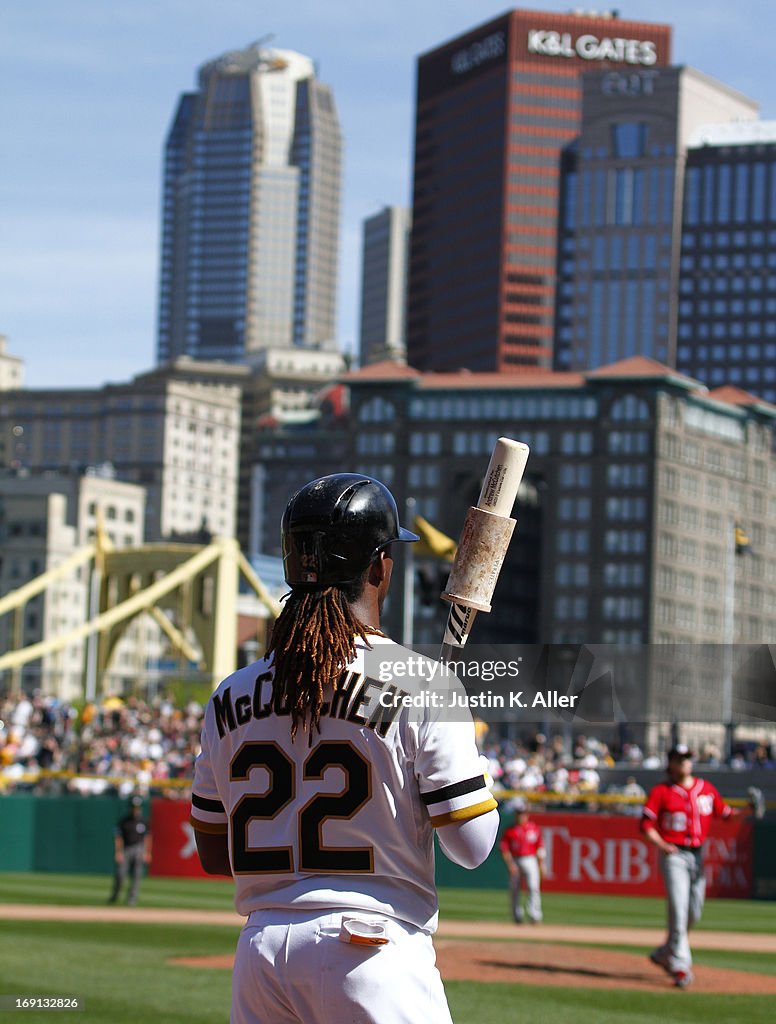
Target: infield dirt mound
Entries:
(549, 965)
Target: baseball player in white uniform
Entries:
(320, 788)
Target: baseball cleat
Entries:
(682, 978)
(660, 960)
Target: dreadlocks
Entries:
(313, 639)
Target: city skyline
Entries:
(87, 103)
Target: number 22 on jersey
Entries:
(281, 792)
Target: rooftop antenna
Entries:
(262, 41)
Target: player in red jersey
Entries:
(676, 818)
(522, 848)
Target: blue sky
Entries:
(88, 91)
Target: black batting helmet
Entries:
(333, 528)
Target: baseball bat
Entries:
(485, 537)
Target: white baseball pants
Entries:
(528, 872)
(292, 968)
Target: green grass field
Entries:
(122, 974)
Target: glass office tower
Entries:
(250, 228)
(495, 108)
(727, 288)
(620, 232)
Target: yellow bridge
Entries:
(198, 583)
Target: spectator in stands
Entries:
(762, 757)
(633, 790)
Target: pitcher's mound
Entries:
(581, 967)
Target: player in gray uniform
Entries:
(320, 791)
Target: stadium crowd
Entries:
(572, 767)
(135, 746)
(116, 746)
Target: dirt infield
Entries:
(548, 966)
(588, 935)
(493, 951)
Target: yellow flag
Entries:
(742, 540)
(433, 543)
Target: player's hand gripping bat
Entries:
(483, 544)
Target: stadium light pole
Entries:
(728, 634)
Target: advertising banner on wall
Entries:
(602, 853)
(596, 853)
(174, 851)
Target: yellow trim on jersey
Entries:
(213, 828)
(464, 813)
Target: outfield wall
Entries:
(606, 853)
(595, 853)
(71, 834)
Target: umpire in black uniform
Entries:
(132, 849)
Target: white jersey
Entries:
(344, 822)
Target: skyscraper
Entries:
(495, 107)
(384, 285)
(620, 212)
(250, 230)
(727, 283)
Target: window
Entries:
(572, 442)
(625, 508)
(629, 139)
(375, 444)
(422, 475)
(692, 193)
(427, 507)
(574, 509)
(741, 193)
(723, 193)
(625, 542)
(428, 443)
(376, 410)
(623, 574)
(622, 608)
(629, 407)
(628, 442)
(627, 475)
(575, 474)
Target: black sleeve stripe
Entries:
(207, 805)
(456, 789)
